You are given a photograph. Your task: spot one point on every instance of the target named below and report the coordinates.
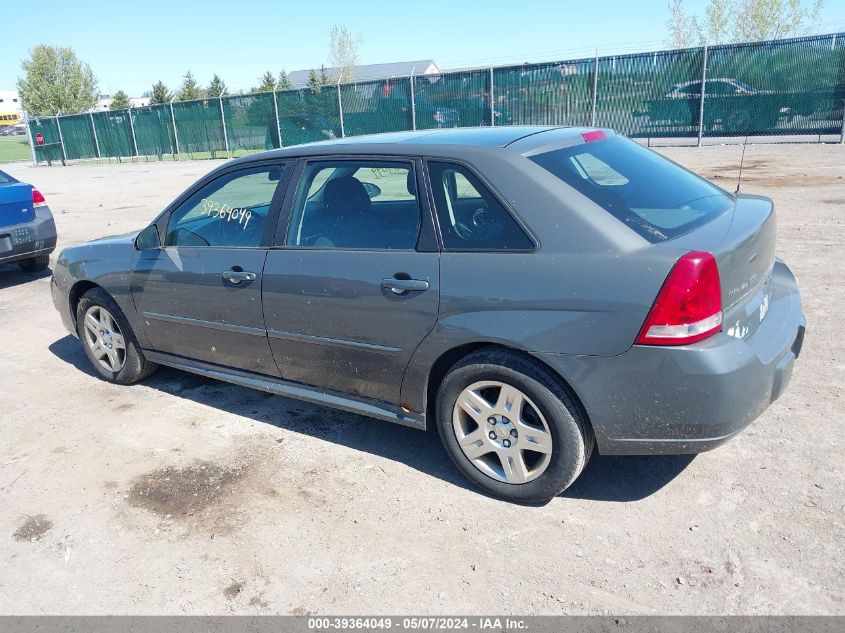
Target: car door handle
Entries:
(404, 285)
(237, 276)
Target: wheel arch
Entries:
(75, 294)
(451, 357)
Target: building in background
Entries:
(367, 72)
(104, 102)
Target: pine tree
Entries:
(190, 88)
(314, 83)
(160, 93)
(325, 80)
(265, 83)
(120, 101)
(284, 81)
(216, 87)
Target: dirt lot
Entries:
(184, 495)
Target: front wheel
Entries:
(108, 340)
(511, 427)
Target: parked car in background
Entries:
(532, 292)
(731, 105)
(394, 114)
(27, 229)
(307, 128)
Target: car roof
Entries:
(438, 142)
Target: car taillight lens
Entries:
(688, 307)
(437, 116)
(38, 199)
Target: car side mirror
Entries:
(148, 240)
(372, 190)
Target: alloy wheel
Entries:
(104, 338)
(502, 432)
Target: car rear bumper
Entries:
(31, 239)
(663, 400)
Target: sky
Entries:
(131, 45)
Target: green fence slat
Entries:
(781, 87)
(306, 115)
(154, 131)
(200, 128)
(371, 107)
(251, 122)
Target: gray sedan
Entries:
(531, 292)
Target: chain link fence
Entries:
(783, 88)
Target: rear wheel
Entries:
(511, 427)
(35, 264)
(108, 340)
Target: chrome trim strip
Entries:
(214, 325)
(324, 340)
(381, 411)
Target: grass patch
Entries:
(14, 148)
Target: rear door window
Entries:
(652, 195)
(366, 204)
(471, 218)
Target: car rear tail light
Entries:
(38, 199)
(437, 116)
(688, 307)
(593, 135)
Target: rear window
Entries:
(6, 178)
(652, 195)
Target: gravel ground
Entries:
(185, 495)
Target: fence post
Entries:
(223, 120)
(413, 102)
(94, 130)
(340, 108)
(595, 89)
(276, 110)
(132, 129)
(173, 121)
(701, 99)
(842, 133)
(492, 99)
(62, 141)
(29, 134)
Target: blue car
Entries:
(27, 229)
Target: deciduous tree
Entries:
(343, 52)
(56, 81)
(729, 21)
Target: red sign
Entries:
(39, 138)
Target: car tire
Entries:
(103, 309)
(549, 419)
(35, 264)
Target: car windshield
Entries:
(652, 195)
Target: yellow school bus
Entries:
(9, 118)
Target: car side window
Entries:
(229, 211)
(470, 216)
(720, 88)
(356, 205)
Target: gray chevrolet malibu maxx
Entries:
(531, 292)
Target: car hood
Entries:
(115, 250)
(123, 238)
